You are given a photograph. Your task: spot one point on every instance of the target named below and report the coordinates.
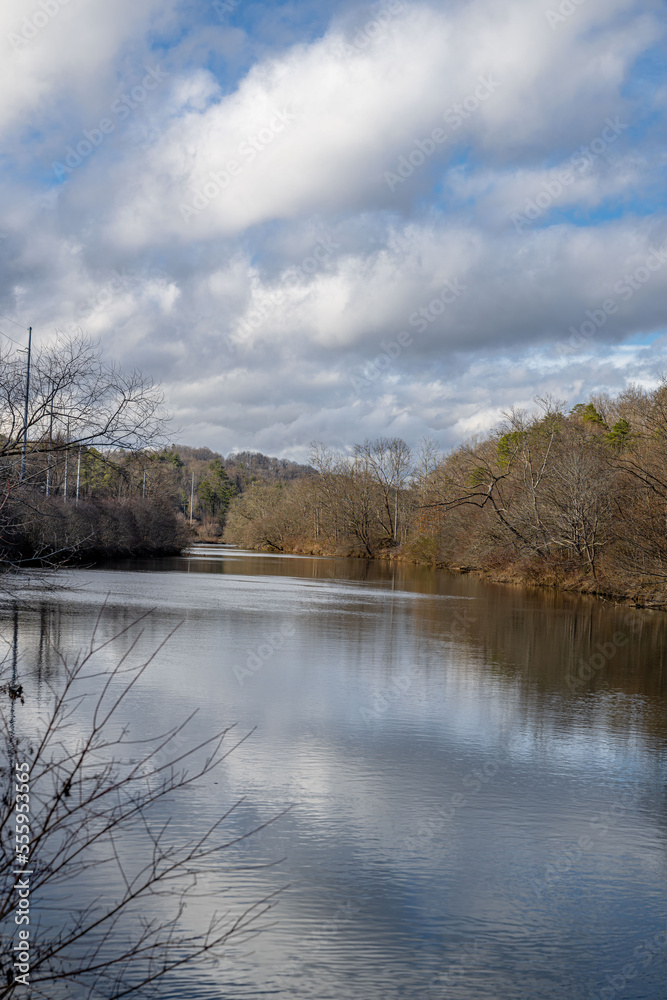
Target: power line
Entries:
(20, 325)
(18, 344)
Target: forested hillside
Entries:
(204, 481)
(575, 499)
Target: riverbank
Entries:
(571, 500)
(563, 576)
(38, 530)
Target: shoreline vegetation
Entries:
(575, 500)
(570, 500)
(82, 505)
(84, 474)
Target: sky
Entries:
(334, 221)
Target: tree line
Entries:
(570, 498)
(84, 468)
(203, 482)
(70, 424)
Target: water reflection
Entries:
(476, 814)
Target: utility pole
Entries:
(143, 494)
(192, 496)
(24, 456)
(78, 475)
(48, 466)
(66, 462)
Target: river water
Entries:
(476, 772)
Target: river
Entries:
(476, 772)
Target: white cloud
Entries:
(260, 307)
(317, 128)
(58, 56)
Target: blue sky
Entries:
(332, 221)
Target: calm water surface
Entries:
(477, 772)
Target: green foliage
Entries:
(545, 427)
(507, 446)
(215, 492)
(620, 434)
(424, 549)
(588, 415)
(96, 472)
(172, 457)
(478, 476)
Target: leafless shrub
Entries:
(97, 798)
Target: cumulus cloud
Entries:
(397, 226)
(60, 55)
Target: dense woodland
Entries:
(575, 499)
(85, 503)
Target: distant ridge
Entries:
(245, 467)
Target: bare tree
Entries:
(577, 501)
(427, 461)
(84, 415)
(507, 474)
(639, 461)
(388, 460)
(76, 398)
(326, 512)
(73, 808)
